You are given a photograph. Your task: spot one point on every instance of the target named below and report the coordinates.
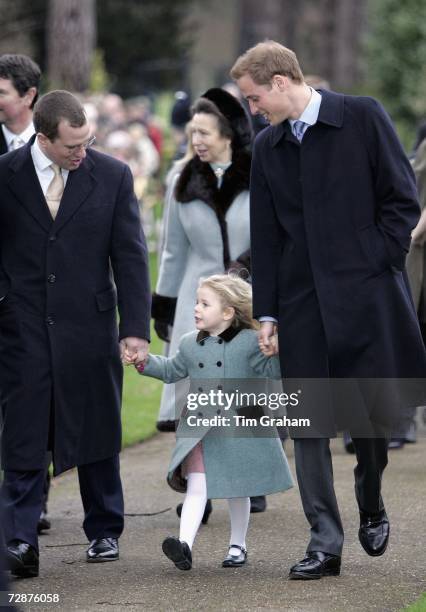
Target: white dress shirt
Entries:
(311, 112)
(42, 167)
(23, 136)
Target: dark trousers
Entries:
(101, 493)
(314, 470)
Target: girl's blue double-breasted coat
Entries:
(240, 461)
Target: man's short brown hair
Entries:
(54, 107)
(266, 59)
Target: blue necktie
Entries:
(298, 129)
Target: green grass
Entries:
(418, 606)
(141, 395)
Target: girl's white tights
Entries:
(239, 511)
(193, 507)
(193, 510)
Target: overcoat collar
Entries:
(331, 112)
(25, 185)
(227, 335)
(197, 181)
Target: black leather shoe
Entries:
(374, 533)
(207, 511)
(315, 565)
(257, 504)
(22, 559)
(43, 523)
(235, 560)
(102, 549)
(178, 552)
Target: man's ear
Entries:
(280, 82)
(42, 139)
(29, 96)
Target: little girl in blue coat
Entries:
(215, 458)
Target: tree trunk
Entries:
(71, 35)
(260, 21)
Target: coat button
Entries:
(219, 387)
(201, 365)
(200, 389)
(218, 411)
(220, 341)
(202, 342)
(51, 278)
(219, 363)
(200, 414)
(52, 238)
(50, 320)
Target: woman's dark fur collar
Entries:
(197, 181)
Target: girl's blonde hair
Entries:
(233, 291)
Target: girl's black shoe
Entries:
(235, 560)
(178, 552)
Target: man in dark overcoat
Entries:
(72, 250)
(19, 89)
(333, 204)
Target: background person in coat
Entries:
(333, 204)
(68, 258)
(209, 207)
(230, 461)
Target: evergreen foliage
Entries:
(397, 57)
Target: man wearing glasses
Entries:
(73, 250)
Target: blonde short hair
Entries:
(266, 59)
(236, 293)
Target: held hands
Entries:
(268, 338)
(133, 350)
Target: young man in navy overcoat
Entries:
(333, 204)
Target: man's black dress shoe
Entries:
(207, 511)
(257, 504)
(178, 552)
(43, 523)
(315, 565)
(102, 549)
(22, 559)
(374, 533)
(235, 560)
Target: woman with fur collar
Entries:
(207, 228)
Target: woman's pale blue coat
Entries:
(238, 462)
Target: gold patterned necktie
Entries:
(55, 190)
(16, 143)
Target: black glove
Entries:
(163, 312)
(162, 330)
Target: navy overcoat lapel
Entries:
(26, 187)
(80, 184)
